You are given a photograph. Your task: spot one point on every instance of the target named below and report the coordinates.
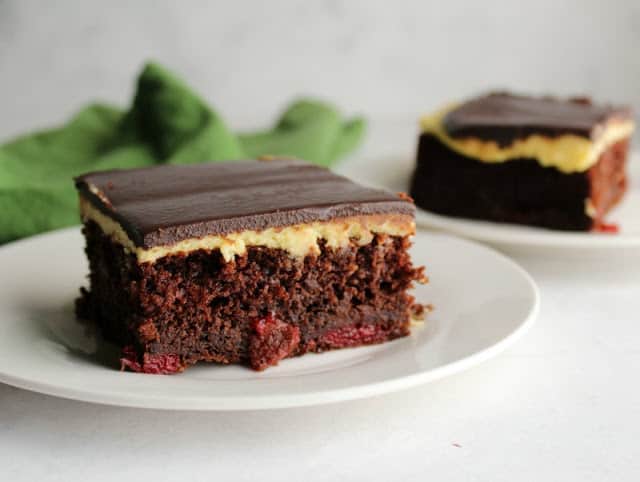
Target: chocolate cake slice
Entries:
(552, 163)
(243, 262)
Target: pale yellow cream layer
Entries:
(299, 240)
(567, 153)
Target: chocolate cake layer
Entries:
(162, 205)
(520, 191)
(504, 118)
(261, 308)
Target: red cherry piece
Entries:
(166, 364)
(271, 341)
(349, 336)
(607, 228)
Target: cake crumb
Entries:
(419, 311)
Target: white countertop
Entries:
(561, 404)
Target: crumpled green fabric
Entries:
(167, 123)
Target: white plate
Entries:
(483, 302)
(378, 166)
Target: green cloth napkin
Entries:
(167, 123)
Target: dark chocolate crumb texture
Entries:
(245, 262)
(546, 162)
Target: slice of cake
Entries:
(539, 161)
(243, 262)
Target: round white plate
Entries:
(393, 171)
(483, 302)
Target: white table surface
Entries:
(562, 404)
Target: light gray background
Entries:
(383, 58)
(562, 404)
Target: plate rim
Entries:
(280, 401)
(532, 237)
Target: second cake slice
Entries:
(553, 163)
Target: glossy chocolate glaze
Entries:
(503, 117)
(161, 205)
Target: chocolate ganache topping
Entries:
(161, 205)
(504, 118)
